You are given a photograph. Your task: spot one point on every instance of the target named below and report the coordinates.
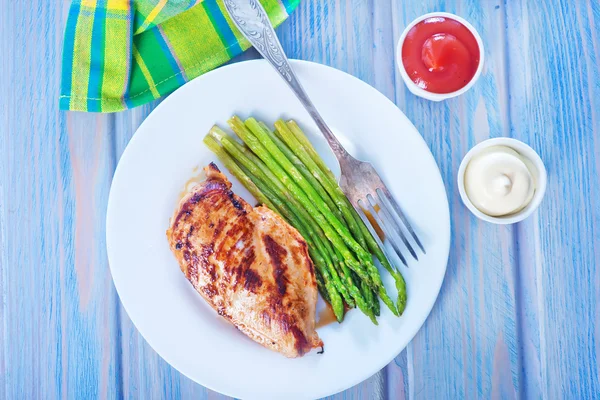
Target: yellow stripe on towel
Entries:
(145, 72)
(150, 18)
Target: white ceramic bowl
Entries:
(422, 92)
(538, 171)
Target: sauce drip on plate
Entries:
(440, 55)
(196, 179)
(326, 317)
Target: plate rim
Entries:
(310, 64)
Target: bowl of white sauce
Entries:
(502, 180)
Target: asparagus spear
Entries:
(362, 303)
(274, 154)
(255, 165)
(303, 169)
(372, 298)
(371, 242)
(301, 137)
(264, 196)
(330, 186)
(321, 286)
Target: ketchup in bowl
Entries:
(440, 54)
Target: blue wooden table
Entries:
(518, 314)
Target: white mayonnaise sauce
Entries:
(499, 182)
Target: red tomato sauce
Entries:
(440, 55)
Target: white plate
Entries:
(162, 156)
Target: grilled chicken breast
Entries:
(248, 264)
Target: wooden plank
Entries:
(59, 335)
(554, 53)
(468, 348)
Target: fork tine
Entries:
(361, 213)
(387, 215)
(400, 214)
(387, 233)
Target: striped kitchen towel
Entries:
(120, 54)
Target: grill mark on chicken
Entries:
(210, 186)
(207, 251)
(277, 255)
(296, 254)
(212, 167)
(266, 316)
(217, 231)
(187, 255)
(243, 268)
(196, 198)
(235, 202)
(248, 264)
(236, 238)
(192, 265)
(186, 209)
(208, 266)
(301, 342)
(305, 254)
(288, 324)
(221, 311)
(209, 290)
(252, 280)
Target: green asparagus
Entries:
(371, 242)
(295, 129)
(303, 170)
(361, 302)
(332, 188)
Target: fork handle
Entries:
(252, 20)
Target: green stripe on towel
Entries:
(119, 54)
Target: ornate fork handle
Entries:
(252, 20)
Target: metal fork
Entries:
(359, 181)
